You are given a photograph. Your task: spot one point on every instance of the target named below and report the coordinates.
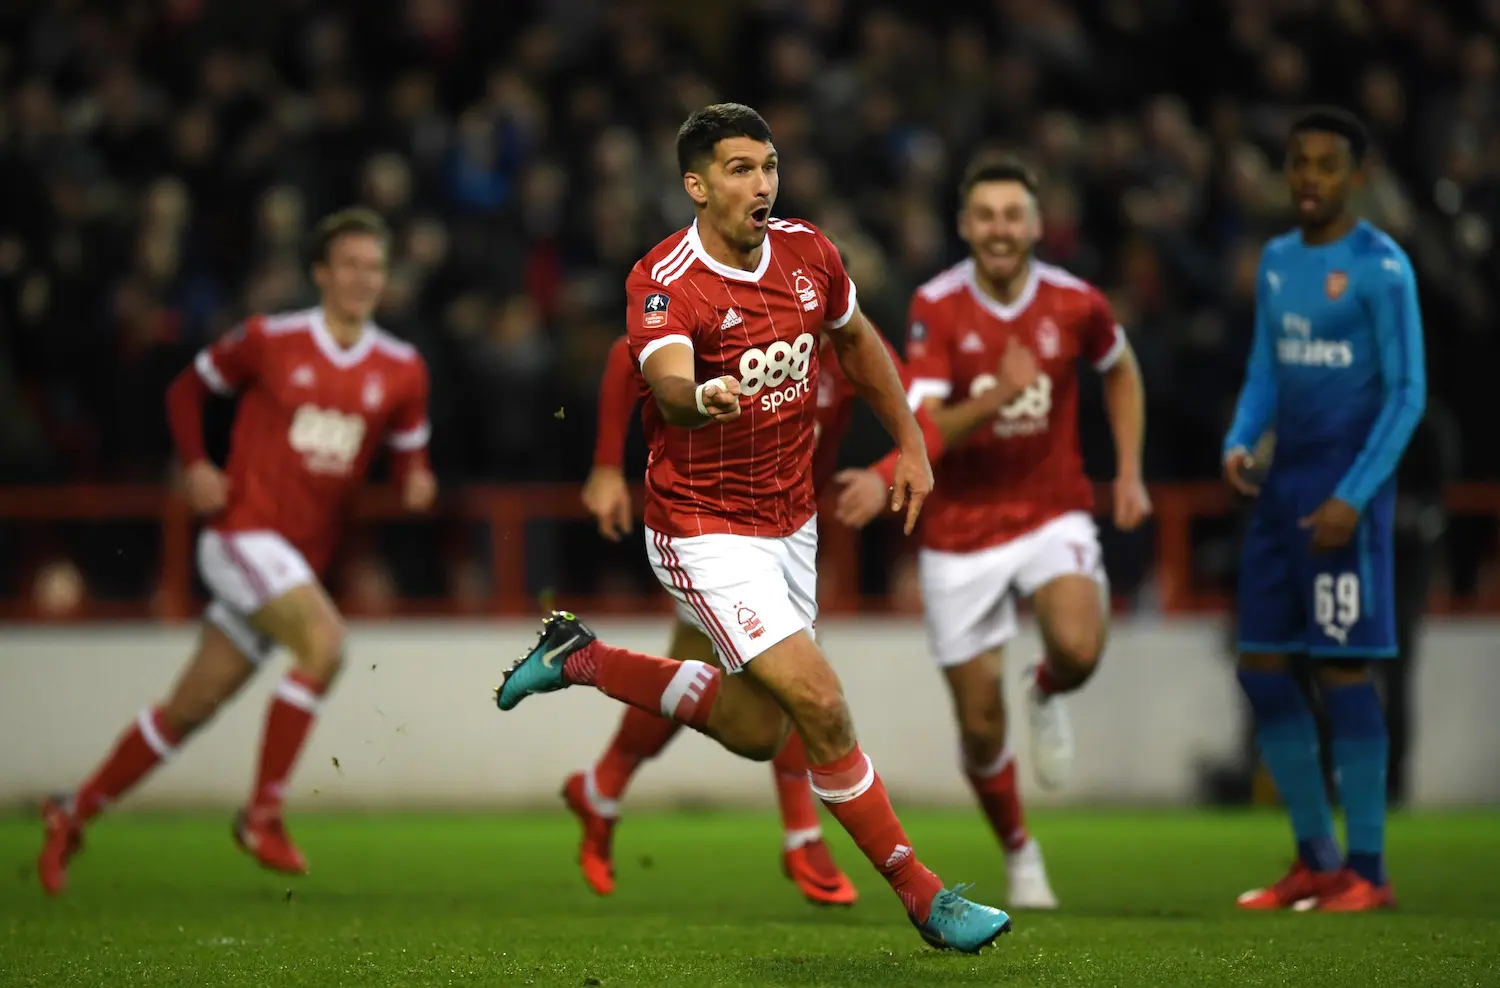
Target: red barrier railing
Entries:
(506, 510)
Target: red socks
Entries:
(1046, 683)
(995, 785)
(641, 737)
(856, 797)
(144, 744)
(799, 814)
(293, 709)
(680, 691)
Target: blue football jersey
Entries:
(1337, 365)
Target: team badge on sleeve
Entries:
(656, 311)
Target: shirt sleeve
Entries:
(1389, 295)
(1257, 404)
(928, 370)
(233, 361)
(618, 391)
(656, 317)
(1104, 341)
(410, 429)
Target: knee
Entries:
(1073, 654)
(320, 654)
(761, 737)
(823, 714)
(981, 729)
(192, 705)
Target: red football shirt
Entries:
(1024, 468)
(752, 476)
(311, 417)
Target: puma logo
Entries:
(552, 653)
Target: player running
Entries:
(319, 391)
(594, 794)
(730, 514)
(992, 347)
(1337, 369)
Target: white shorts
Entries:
(746, 594)
(969, 598)
(245, 571)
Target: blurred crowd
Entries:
(160, 162)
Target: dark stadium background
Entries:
(159, 163)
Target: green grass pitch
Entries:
(496, 900)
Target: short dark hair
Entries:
(1335, 120)
(356, 219)
(701, 132)
(992, 167)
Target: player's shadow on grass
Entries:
(995, 966)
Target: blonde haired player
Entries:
(320, 393)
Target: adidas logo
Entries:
(972, 344)
(900, 854)
(731, 320)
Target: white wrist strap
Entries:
(698, 396)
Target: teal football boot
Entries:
(541, 669)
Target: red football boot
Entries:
(1353, 893)
(64, 839)
(811, 867)
(594, 851)
(1301, 884)
(267, 841)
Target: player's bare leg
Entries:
(1360, 755)
(305, 621)
(1070, 610)
(213, 675)
(978, 692)
(795, 671)
(593, 795)
(1287, 738)
(750, 709)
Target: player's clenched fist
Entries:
(207, 488)
(1017, 370)
(719, 399)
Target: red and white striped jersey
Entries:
(1025, 467)
(311, 417)
(752, 476)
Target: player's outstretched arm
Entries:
(669, 372)
(206, 486)
(1390, 295)
(617, 397)
(1125, 403)
(605, 493)
(866, 362)
(231, 363)
(1257, 405)
(864, 493)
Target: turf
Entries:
(472, 900)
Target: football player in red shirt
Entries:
(321, 392)
(724, 321)
(594, 794)
(992, 347)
